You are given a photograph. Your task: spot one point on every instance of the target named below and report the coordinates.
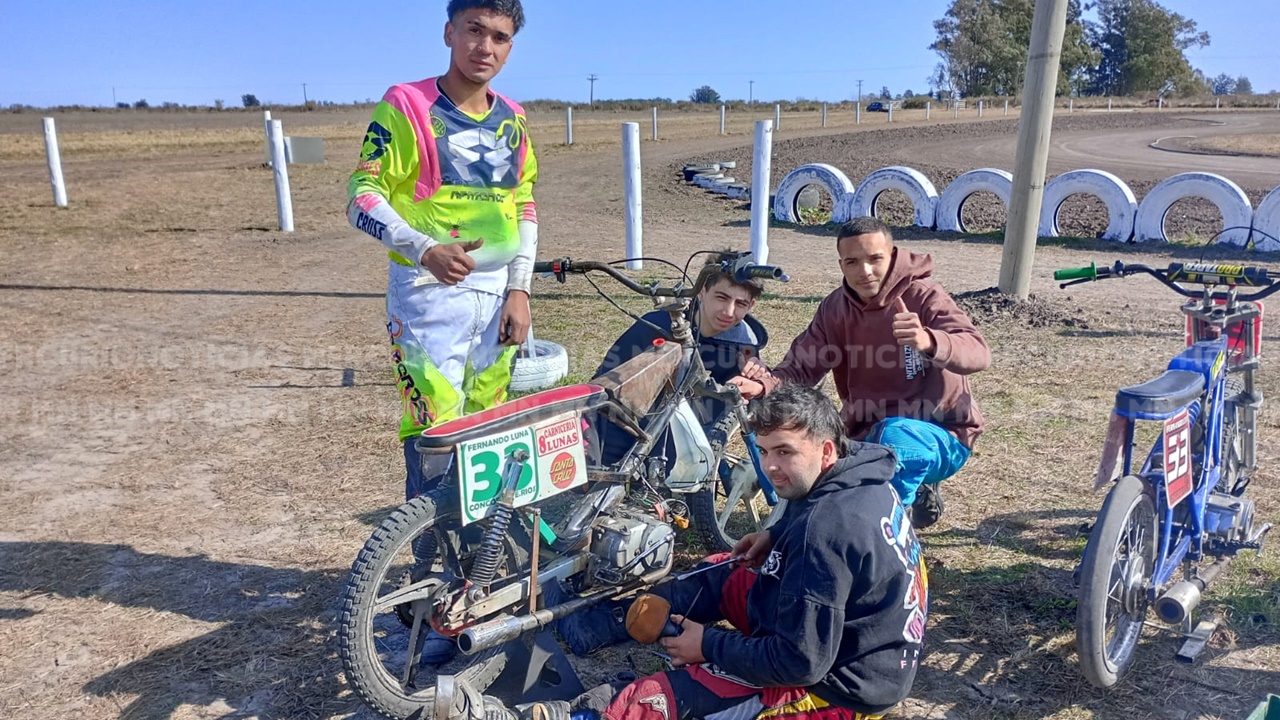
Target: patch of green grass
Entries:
(1249, 593)
(815, 216)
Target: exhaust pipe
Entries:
(1179, 601)
(1177, 604)
(506, 628)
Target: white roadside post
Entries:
(890, 111)
(955, 110)
(761, 164)
(979, 108)
(1108, 104)
(777, 116)
(721, 118)
(1006, 107)
(857, 114)
(655, 123)
(1071, 105)
(1160, 103)
(928, 109)
(568, 125)
(631, 184)
(284, 200)
(824, 114)
(55, 163)
(1217, 103)
(266, 129)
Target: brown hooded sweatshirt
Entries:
(877, 378)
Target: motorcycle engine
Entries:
(1229, 519)
(624, 548)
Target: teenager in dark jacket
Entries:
(829, 616)
(728, 337)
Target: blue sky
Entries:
(194, 51)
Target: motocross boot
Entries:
(590, 629)
(456, 699)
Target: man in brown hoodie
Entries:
(900, 351)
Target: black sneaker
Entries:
(928, 506)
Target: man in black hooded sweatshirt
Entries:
(829, 606)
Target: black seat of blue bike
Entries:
(1163, 395)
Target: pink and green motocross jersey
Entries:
(449, 175)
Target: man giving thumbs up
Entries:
(900, 351)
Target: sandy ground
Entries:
(197, 413)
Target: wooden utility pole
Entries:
(1048, 26)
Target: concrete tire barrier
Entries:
(1122, 206)
(692, 171)
(910, 182)
(1266, 219)
(1237, 211)
(826, 176)
(998, 182)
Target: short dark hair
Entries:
(510, 8)
(753, 286)
(798, 407)
(865, 225)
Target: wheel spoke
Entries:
(412, 593)
(731, 501)
(753, 510)
(415, 653)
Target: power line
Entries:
(592, 78)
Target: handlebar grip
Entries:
(1080, 273)
(763, 272)
(558, 266)
(1218, 274)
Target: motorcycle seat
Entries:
(1161, 397)
(513, 414)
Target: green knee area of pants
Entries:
(430, 399)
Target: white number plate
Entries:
(557, 462)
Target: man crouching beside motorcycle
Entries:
(829, 606)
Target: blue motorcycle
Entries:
(1174, 518)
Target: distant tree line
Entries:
(1134, 47)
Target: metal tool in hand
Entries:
(709, 566)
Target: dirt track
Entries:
(197, 428)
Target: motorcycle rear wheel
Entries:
(373, 641)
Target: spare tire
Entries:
(1237, 211)
(992, 180)
(1122, 206)
(547, 366)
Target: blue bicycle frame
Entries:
(1183, 540)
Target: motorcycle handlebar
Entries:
(1205, 274)
(741, 270)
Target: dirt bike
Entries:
(1184, 505)
(458, 561)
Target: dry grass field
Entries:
(197, 416)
